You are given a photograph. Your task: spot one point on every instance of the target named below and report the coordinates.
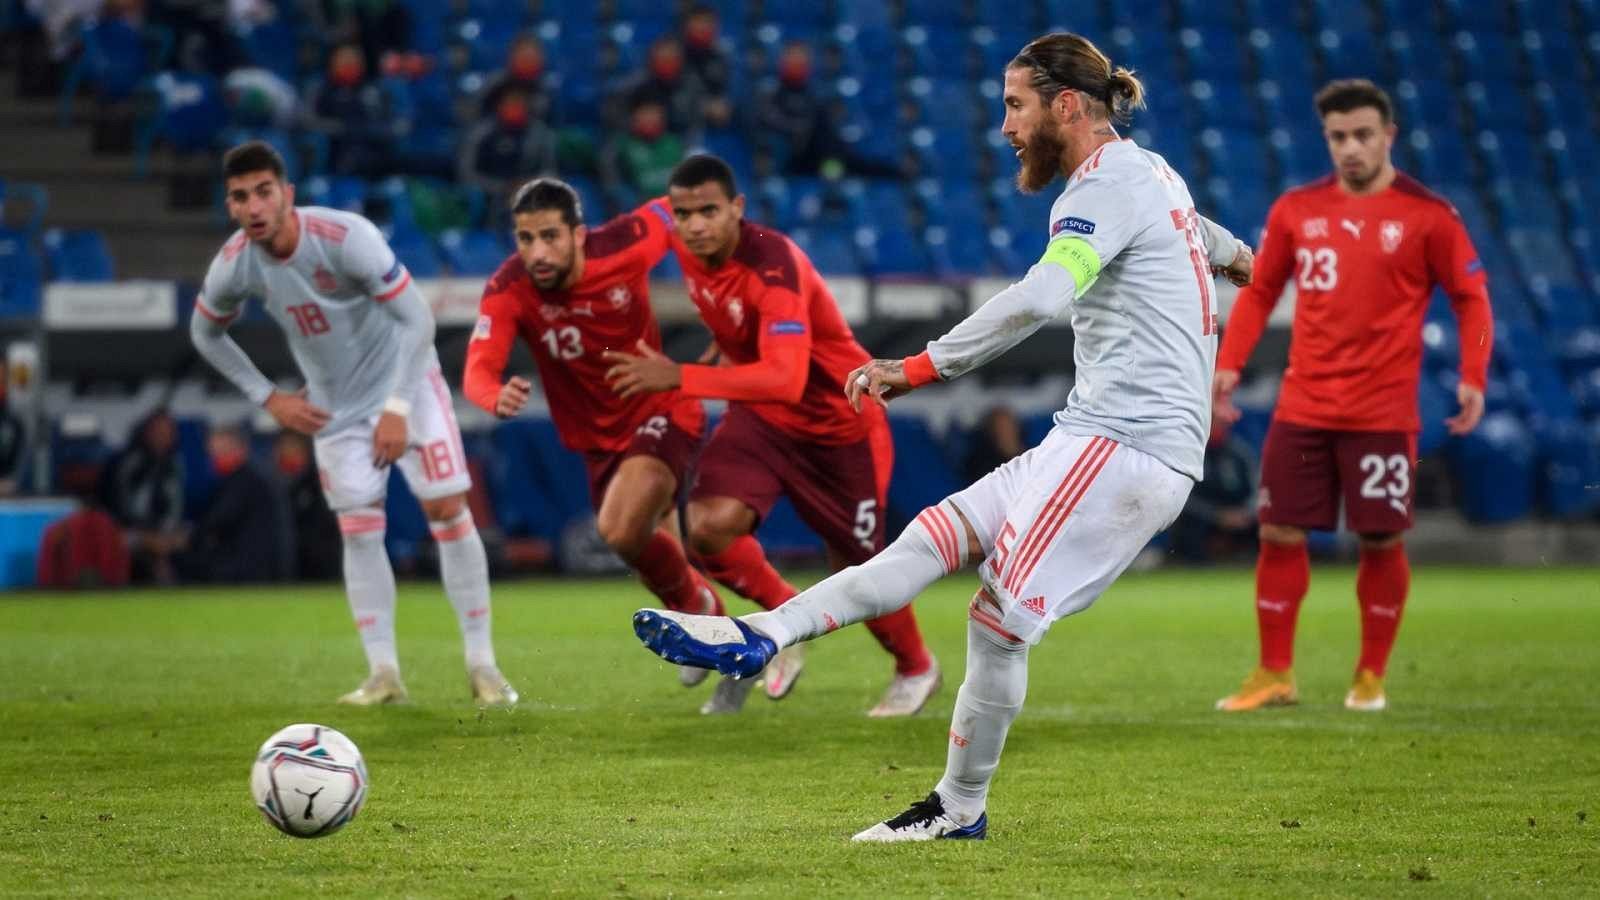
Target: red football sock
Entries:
(1382, 579)
(899, 634)
(665, 570)
(743, 567)
(1283, 572)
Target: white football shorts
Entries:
(434, 465)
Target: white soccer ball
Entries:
(308, 780)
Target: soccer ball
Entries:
(308, 780)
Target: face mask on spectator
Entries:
(794, 70)
(666, 64)
(346, 69)
(227, 459)
(648, 123)
(527, 64)
(701, 33)
(512, 113)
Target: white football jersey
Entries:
(1145, 326)
(326, 298)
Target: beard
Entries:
(554, 277)
(1041, 160)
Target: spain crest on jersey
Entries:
(1390, 233)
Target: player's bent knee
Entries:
(363, 525)
(945, 534)
(1381, 540)
(1287, 535)
(443, 509)
(626, 538)
(713, 526)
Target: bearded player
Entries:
(785, 351)
(1130, 261)
(572, 292)
(1365, 247)
(362, 336)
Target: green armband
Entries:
(1077, 257)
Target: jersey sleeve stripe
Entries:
(219, 318)
(394, 292)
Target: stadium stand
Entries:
(1497, 99)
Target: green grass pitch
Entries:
(128, 721)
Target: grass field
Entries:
(128, 721)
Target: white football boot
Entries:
(729, 696)
(907, 694)
(382, 686)
(784, 671)
(926, 820)
(491, 689)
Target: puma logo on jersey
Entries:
(1353, 227)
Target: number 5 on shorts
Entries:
(866, 523)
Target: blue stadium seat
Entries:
(1286, 103)
(1500, 106)
(486, 41)
(935, 12)
(832, 250)
(955, 204)
(1235, 153)
(1207, 14)
(592, 198)
(415, 250)
(1509, 153)
(998, 43)
(1483, 53)
(476, 252)
(1274, 14)
(894, 251)
(1526, 203)
(189, 113)
(1301, 155)
(922, 475)
(957, 252)
(263, 45)
(1552, 55)
(1440, 153)
(346, 192)
(1428, 102)
(645, 11)
(78, 256)
(1241, 205)
(945, 151)
(429, 26)
(1569, 467)
(1223, 104)
(1417, 50)
(1477, 15)
(1409, 14)
(1283, 56)
(1351, 54)
(1087, 19)
(538, 486)
(112, 63)
(730, 144)
(1494, 470)
(1345, 15)
(21, 275)
(1215, 53)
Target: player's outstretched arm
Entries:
(487, 353)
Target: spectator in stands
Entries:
(356, 115)
(258, 98)
(506, 148)
(142, 488)
(525, 72)
(636, 164)
(319, 549)
(374, 26)
(86, 550)
(664, 83)
(997, 441)
(244, 535)
(708, 64)
(61, 20)
(1219, 520)
(799, 130)
(13, 446)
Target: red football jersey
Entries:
(568, 331)
(1364, 268)
(786, 348)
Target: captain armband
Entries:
(1077, 257)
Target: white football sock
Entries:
(932, 546)
(990, 697)
(369, 585)
(464, 569)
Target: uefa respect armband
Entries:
(1076, 256)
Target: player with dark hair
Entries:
(571, 292)
(1129, 259)
(1365, 247)
(363, 338)
(785, 351)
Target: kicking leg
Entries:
(633, 521)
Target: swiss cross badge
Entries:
(1390, 233)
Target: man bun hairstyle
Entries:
(549, 193)
(252, 156)
(1062, 61)
(701, 168)
(1350, 94)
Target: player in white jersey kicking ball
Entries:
(1132, 263)
(363, 338)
